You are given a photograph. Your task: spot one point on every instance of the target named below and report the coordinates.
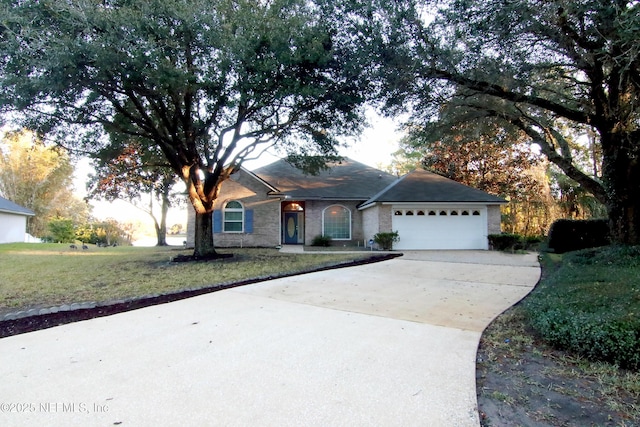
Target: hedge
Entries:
(567, 235)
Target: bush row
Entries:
(613, 339)
(513, 242)
(567, 235)
(588, 304)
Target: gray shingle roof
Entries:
(424, 186)
(10, 207)
(345, 180)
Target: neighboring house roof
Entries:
(421, 186)
(344, 180)
(9, 207)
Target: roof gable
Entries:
(424, 186)
(10, 207)
(236, 176)
(344, 180)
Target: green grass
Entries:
(42, 275)
(589, 302)
(531, 368)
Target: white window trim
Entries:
(224, 215)
(350, 216)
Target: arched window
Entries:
(409, 213)
(432, 213)
(233, 217)
(398, 213)
(476, 213)
(420, 213)
(465, 213)
(443, 213)
(455, 213)
(336, 222)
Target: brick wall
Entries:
(384, 216)
(494, 220)
(313, 220)
(370, 223)
(253, 195)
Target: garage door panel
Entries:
(441, 231)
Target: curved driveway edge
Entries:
(386, 344)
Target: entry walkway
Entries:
(385, 344)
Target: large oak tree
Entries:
(208, 84)
(551, 69)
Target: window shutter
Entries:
(248, 221)
(217, 221)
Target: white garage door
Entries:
(440, 228)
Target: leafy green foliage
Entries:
(386, 239)
(128, 170)
(513, 242)
(103, 233)
(321, 240)
(311, 165)
(589, 302)
(555, 72)
(205, 84)
(61, 230)
(505, 241)
(39, 177)
(567, 235)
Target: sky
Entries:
(374, 148)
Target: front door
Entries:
(291, 225)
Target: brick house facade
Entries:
(350, 202)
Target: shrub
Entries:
(567, 235)
(321, 240)
(612, 340)
(386, 240)
(61, 230)
(533, 241)
(587, 304)
(506, 241)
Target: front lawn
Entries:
(558, 358)
(43, 275)
(589, 303)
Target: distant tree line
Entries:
(100, 233)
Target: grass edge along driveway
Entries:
(44, 275)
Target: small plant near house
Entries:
(513, 242)
(321, 240)
(386, 240)
(505, 242)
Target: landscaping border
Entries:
(24, 321)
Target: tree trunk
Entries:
(621, 174)
(204, 236)
(161, 229)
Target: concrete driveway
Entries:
(386, 344)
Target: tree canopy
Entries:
(207, 84)
(39, 177)
(553, 70)
(129, 170)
